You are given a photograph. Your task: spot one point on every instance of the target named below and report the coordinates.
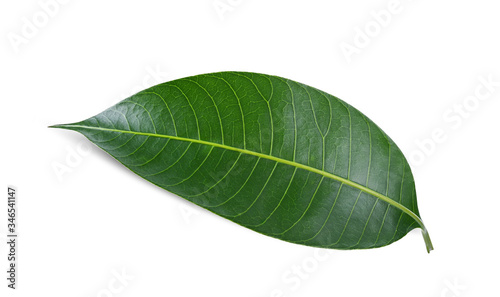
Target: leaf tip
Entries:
(60, 126)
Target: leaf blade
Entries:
(206, 111)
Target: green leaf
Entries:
(271, 154)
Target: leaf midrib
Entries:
(269, 157)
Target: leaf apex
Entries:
(61, 126)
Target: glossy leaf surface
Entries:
(273, 155)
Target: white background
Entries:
(84, 220)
